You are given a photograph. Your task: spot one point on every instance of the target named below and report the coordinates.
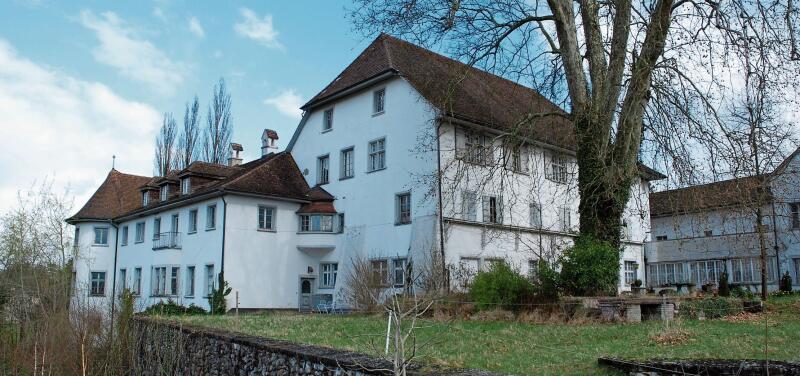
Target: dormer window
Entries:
(164, 193)
(186, 186)
(145, 198)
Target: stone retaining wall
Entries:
(171, 348)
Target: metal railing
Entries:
(167, 240)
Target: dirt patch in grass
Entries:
(671, 337)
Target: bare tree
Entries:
(219, 126)
(187, 151)
(622, 68)
(165, 157)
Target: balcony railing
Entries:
(167, 240)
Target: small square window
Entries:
(327, 120)
(661, 237)
(378, 101)
(708, 232)
(101, 235)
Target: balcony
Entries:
(167, 240)
(709, 247)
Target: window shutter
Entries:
(485, 206)
(524, 158)
(499, 209)
(508, 156)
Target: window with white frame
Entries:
(165, 280)
(266, 218)
(341, 223)
(136, 283)
(328, 272)
(101, 236)
(76, 240)
(211, 217)
(399, 272)
(469, 205)
(706, 271)
(492, 209)
(535, 212)
(533, 270)
(327, 120)
(475, 148)
(124, 240)
(748, 270)
(565, 218)
(186, 186)
(558, 168)
(630, 272)
(139, 232)
(189, 281)
(192, 221)
(164, 193)
(347, 169)
(323, 169)
(378, 101)
(377, 155)
(516, 157)
(175, 223)
(156, 228)
(380, 272)
(795, 213)
(145, 198)
(97, 284)
(665, 274)
(209, 279)
(316, 223)
(403, 208)
(123, 281)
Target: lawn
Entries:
(525, 349)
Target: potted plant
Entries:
(637, 288)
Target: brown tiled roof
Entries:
(209, 169)
(458, 90)
(321, 207)
(118, 194)
(319, 194)
(727, 193)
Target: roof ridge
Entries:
(764, 175)
(246, 172)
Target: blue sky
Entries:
(82, 81)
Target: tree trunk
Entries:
(603, 190)
(763, 248)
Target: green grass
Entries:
(523, 349)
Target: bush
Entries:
(546, 285)
(500, 287)
(724, 288)
(741, 292)
(590, 267)
(216, 300)
(710, 308)
(786, 283)
(171, 308)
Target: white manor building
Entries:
(405, 155)
(703, 231)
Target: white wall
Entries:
(90, 257)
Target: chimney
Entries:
(269, 142)
(235, 159)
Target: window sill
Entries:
(316, 232)
(345, 177)
(375, 114)
(99, 245)
(326, 288)
(376, 170)
(97, 295)
(138, 242)
(322, 183)
(402, 223)
(211, 229)
(191, 232)
(326, 130)
(189, 297)
(122, 245)
(266, 230)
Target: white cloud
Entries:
(158, 13)
(196, 28)
(67, 129)
(258, 29)
(134, 57)
(217, 54)
(287, 102)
